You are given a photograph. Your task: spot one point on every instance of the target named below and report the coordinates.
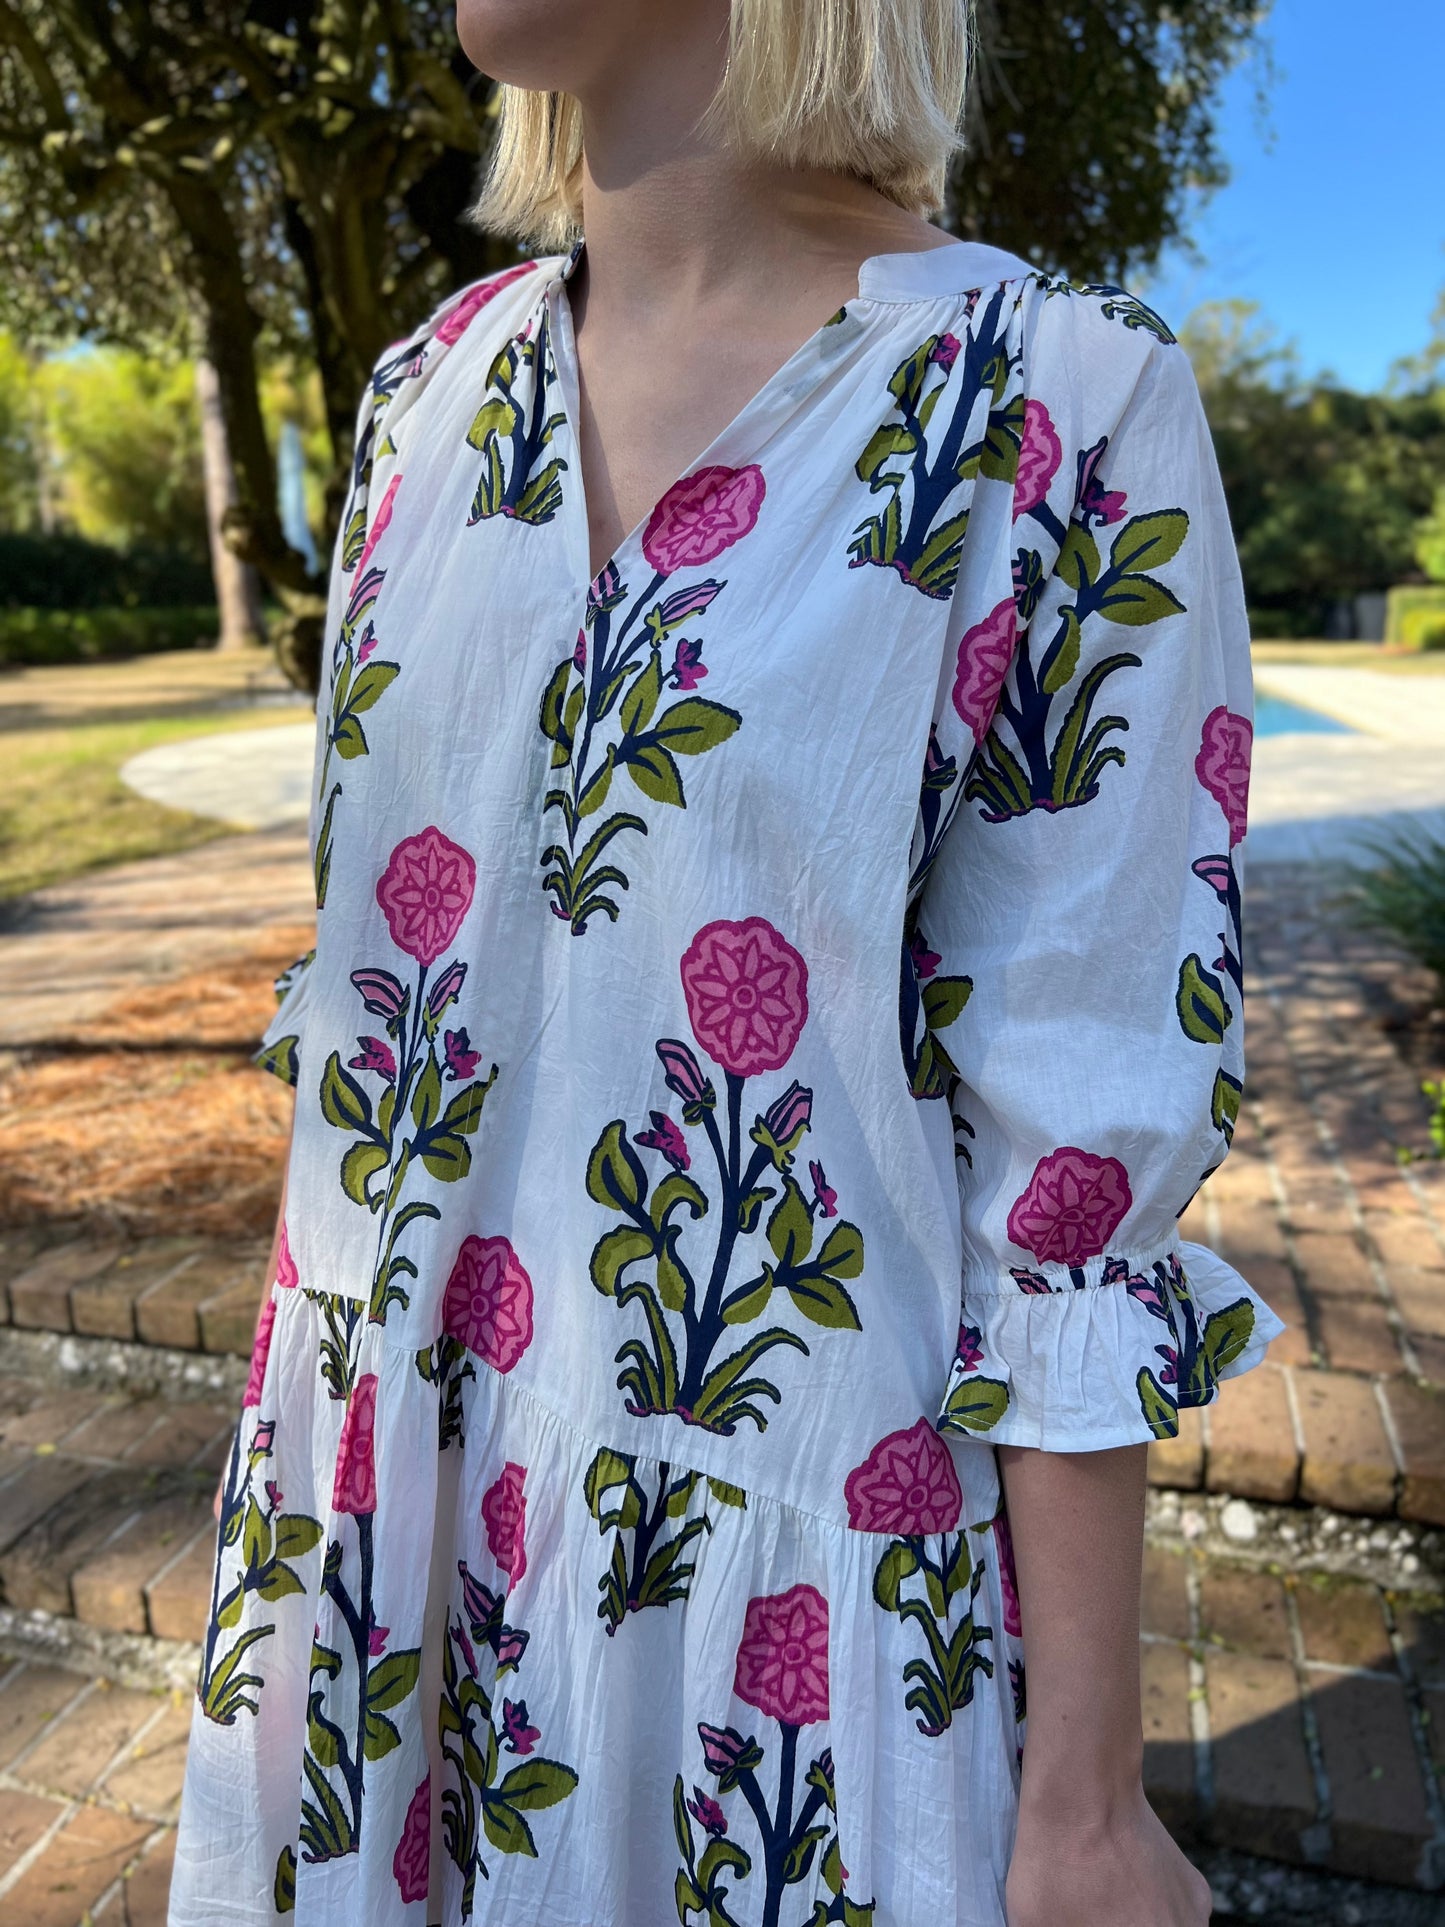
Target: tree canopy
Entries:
(243, 177)
(1328, 489)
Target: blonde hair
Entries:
(872, 88)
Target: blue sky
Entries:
(1334, 219)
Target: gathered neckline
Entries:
(923, 274)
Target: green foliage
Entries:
(1090, 126)
(84, 635)
(1326, 488)
(1403, 894)
(1415, 617)
(64, 571)
(123, 435)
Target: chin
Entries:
(549, 45)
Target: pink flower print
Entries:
(782, 1664)
(788, 1116)
(380, 522)
(488, 1302)
(260, 1350)
(287, 1276)
(1222, 766)
(425, 892)
(511, 1645)
(747, 994)
(688, 667)
(275, 1497)
(444, 991)
(1095, 502)
(683, 603)
(700, 516)
(907, 1484)
(468, 1650)
(355, 1487)
(376, 1639)
(455, 322)
(667, 1138)
(504, 1513)
(368, 644)
(519, 1736)
(824, 1196)
(1033, 1284)
(682, 1072)
(1039, 458)
(970, 1347)
(1072, 1206)
(925, 961)
(984, 656)
(707, 1813)
(374, 1055)
(262, 1436)
(381, 993)
(722, 1747)
(411, 1863)
(579, 652)
(944, 352)
(462, 1060)
(604, 591)
(1007, 1578)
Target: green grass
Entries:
(64, 809)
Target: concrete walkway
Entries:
(1316, 798)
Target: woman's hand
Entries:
(1118, 1870)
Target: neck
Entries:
(675, 216)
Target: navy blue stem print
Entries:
(1208, 999)
(648, 1564)
(1196, 1357)
(660, 1376)
(485, 1795)
(622, 674)
(1035, 757)
(915, 533)
(942, 1683)
(789, 1835)
(513, 431)
(266, 1542)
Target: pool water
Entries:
(1273, 716)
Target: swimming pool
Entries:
(1273, 716)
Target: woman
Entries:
(777, 988)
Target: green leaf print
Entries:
(975, 1405)
(344, 1103)
(1161, 1414)
(1149, 541)
(1226, 1334)
(1204, 1015)
(626, 1245)
(615, 1175)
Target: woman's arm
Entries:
(1090, 1851)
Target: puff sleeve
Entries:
(1075, 923)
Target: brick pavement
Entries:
(1300, 1717)
(105, 1506)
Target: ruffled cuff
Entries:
(280, 1048)
(1083, 1366)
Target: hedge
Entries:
(82, 635)
(68, 572)
(1415, 617)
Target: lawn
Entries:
(63, 739)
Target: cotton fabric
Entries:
(771, 1007)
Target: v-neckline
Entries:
(754, 423)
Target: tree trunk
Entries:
(238, 587)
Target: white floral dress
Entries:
(772, 1004)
